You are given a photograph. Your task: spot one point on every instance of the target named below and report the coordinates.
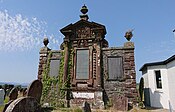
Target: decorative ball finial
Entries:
(84, 9)
(46, 41)
(129, 35)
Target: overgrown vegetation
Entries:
(54, 88)
(1, 108)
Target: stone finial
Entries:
(84, 10)
(129, 35)
(46, 41)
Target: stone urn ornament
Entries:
(84, 9)
(45, 41)
(129, 35)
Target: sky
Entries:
(24, 24)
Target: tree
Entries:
(141, 88)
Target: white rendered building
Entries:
(159, 83)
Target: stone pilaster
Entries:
(130, 73)
(44, 51)
(98, 66)
(66, 56)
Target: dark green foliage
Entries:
(141, 88)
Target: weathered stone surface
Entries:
(13, 94)
(78, 102)
(24, 104)
(120, 103)
(126, 86)
(98, 103)
(129, 45)
(44, 51)
(35, 90)
(95, 99)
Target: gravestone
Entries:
(24, 92)
(86, 107)
(35, 89)
(13, 94)
(120, 102)
(24, 104)
(30, 103)
(6, 105)
(2, 93)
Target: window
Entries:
(158, 79)
(82, 64)
(54, 67)
(115, 68)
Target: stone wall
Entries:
(125, 87)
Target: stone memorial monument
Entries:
(87, 69)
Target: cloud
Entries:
(157, 51)
(18, 33)
(161, 47)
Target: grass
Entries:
(135, 109)
(68, 110)
(5, 101)
(1, 108)
(79, 110)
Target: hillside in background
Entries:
(15, 84)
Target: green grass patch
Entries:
(1, 108)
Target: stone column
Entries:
(98, 48)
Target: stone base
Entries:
(120, 102)
(129, 45)
(95, 99)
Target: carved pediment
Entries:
(83, 32)
(83, 27)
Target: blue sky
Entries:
(24, 24)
